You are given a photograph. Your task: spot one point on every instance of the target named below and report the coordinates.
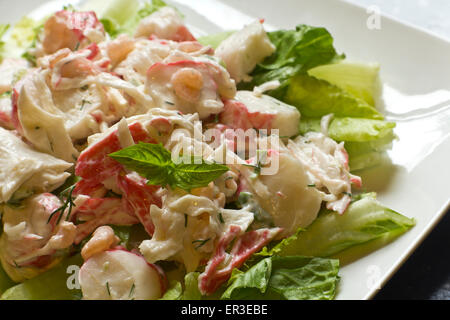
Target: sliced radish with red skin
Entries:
(118, 274)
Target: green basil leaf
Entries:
(188, 176)
(154, 162)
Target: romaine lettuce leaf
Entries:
(186, 291)
(5, 281)
(122, 16)
(174, 292)
(297, 51)
(292, 278)
(366, 140)
(350, 129)
(50, 285)
(214, 40)
(359, 79)
(316, 98)
(365, 220)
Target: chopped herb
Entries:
(170, 103)
(77, 46)
(200, 242)
(68, 204)
(312, 185)
(131, 291)
(216, 118)
(74, 157)
(347, 193)
(16, 265)
(185, 220)
(83, 102)
(221, 218)
(229, 178)
(107, 288)
(85, 87)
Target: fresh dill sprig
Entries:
(68, 204)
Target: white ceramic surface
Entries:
(416, 73)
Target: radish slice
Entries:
(120, 275)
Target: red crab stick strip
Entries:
(100, 211)
(247, 244)
(94, 164)
(139, 197)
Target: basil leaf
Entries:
(154, 162)
(188, 176)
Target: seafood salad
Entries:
(157, 164)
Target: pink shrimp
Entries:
(67, 29)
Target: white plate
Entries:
(416, 72)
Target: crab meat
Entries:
(244, 49)
(245, 245)
(139, 196)
(94, 164)
(326, 163)
(120, 275)
(25, 170)
(32, 235)
(165, 23)
(95, 212)
(249, 110)
(73, 30)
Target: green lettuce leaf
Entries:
(214, 40)
(297, 51)
(366, 140)
(350, 129)
(5, 280)
(174, 292)
(50, 285)
(359, 79)
(316, 98)
(365, 220)
(190, 291)
(122, 16)
(292, 278)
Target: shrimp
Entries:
(102, 240)
(119, 49)
(73, 30)
(187, 83)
